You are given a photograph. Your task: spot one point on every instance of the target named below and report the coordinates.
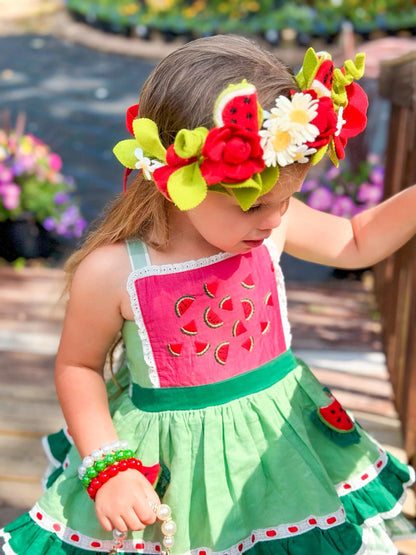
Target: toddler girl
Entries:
(216, 440)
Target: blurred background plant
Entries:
(32, 186)
(307, 18)
(344, 192)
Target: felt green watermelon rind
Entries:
(233, 93)
(340, 438)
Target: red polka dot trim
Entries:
(360, 480)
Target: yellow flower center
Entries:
(281, 140)
(299, 116)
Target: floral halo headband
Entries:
(245, 149)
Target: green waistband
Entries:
(218, 393)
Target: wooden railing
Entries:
(395, 278)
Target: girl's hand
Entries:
(123, 502)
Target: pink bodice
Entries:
(207, 321)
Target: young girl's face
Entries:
(221, 222)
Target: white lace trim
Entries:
(360, 480)
(6, 547)
(72, 537)
(281, 290)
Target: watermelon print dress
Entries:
(256, 456)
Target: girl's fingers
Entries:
(120, 523)
(105, 523)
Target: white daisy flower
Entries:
(145, 164)
(303, 152)
(279, 146)
(341, 121)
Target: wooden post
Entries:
(395, 278)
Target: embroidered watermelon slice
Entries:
(211, 289)
(334, 416)
(212, 319)
(264, 327)
(201, 348)
(248, 344)
(175, 349)
(248, 308)
(190, 328)
(221, 352)
(237, 105)
(238, 328)
(248, 282)
(226, 303)
(183, 304)
(268, 301)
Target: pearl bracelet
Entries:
(99, 454)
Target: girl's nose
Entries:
(271, 220)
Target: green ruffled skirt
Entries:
(248, 466)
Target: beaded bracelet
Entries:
(105, 463)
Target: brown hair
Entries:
(180, 94)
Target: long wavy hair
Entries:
(180, 94)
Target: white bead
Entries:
(115, 445)
(168, 542)
(81, 470)
(106, 449)
(97, 455)
(124, 444)
(117, 535)
(88, 461)
(168, 528)
(163, 512)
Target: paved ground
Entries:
(75, 84)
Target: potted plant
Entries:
(37, 203)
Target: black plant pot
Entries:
(24, 238)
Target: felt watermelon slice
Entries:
(226, 303)
(237, 105)
(335, 422)
(175, 349)
(221, 352)
(190, 328)
(248, 308)
(212, 319)
(248, 282)
(211, 289)
(151, 473)
(201, 348)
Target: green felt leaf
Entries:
(319, 154)
(147, 135)
(269, 177)
(189, 143)
(246, 197)
(124, 152)
(186, 187)
(308, 71)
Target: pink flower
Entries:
(377, 175)
(309, 185)
(343, 206)
(11, 195)
(368, 193)
(320, 199)
(55, 161)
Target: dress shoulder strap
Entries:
(139, 257)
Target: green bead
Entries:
(91, 472)
(128, 454)
(86, 480)
(109, 460)
(119, 455)
(100, 465)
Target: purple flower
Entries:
(49, 223)
(309, 185)
(320, 199)
(6, 174)
(79, 227)
(377, 175)
(61, 198)
(333, 172)
(373, 159)
(343, 206)
(368, 193)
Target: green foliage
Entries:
(203, 17)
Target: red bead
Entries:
(96, 484)
(132, 463)
(122, 466)
(112, 470)
(139, 465)
(91, 492)
(104, 477)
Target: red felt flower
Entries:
(355, 116)
(173, 163)
(231, 154)
(325, 120)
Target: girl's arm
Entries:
(366, 239)
(92, 321)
